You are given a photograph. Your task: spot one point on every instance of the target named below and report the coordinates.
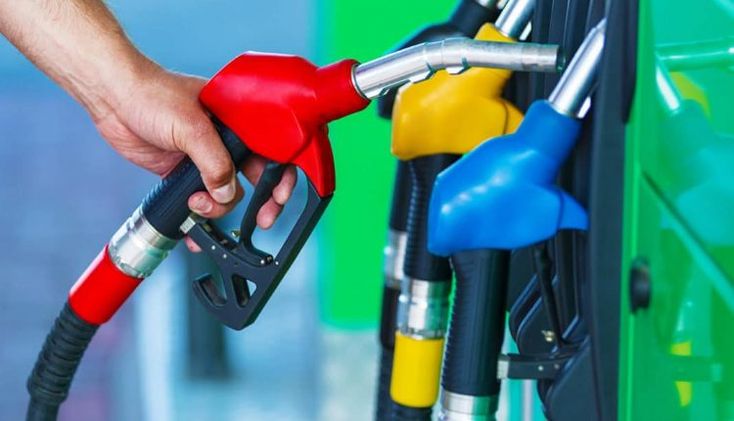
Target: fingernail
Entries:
(224, 194)
(201, 205)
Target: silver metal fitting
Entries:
(394, 257)
(137, 248)
(417, 63)
(503, 367)
(189, 223)
(458, 407)
(514, 17)
(579, 79)
(423, 308)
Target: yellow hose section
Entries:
(453, 113)
(416, 371)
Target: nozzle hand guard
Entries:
(249, 275)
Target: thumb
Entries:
(198, 139)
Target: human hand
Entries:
(150, 116)
(160, 119)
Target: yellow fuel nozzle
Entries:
(452, 114)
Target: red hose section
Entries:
(101, 290)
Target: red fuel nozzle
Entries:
(279, 106)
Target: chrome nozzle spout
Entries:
(414, 64)
(570, 96)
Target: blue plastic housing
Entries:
(502, 194)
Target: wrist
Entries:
(135, 75)
(118, 81)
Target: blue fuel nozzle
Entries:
(502, 195)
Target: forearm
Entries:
(78, 44)
(149, 115)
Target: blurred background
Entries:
(312, 353)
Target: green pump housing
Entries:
(677, 352)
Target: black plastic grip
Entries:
(400, 205)
(384, 401)
(389, 313)
(419, 263)
(57, 362)
(477, 326)
(389, 316)
(544, 273)
(166, 206)
(406, 413)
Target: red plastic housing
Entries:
(101, 290)
(279, 106)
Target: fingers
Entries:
(197, 137)
(268, 213)
(205, 205)
(191, 245)
(282, 192)
(253, 168)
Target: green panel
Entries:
(677, 357)
(677, 352)
(356, 221)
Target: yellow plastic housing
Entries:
(416, 371)
(453, 113)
